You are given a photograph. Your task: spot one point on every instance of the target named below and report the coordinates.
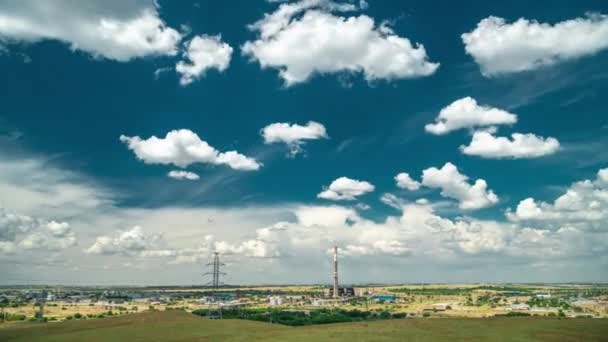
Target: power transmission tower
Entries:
(215, 272)
(215, 284)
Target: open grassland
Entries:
(177, 325)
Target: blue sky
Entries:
(72, 86)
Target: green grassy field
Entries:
(182, 326)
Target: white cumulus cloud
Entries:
(455, 185)
(466, 113)
(184, 147)
(127, 242)
(117, 30)
(485, 144)
(404, 181)
(345, 188)
(21, 232)
(293, 135)
(203, 53)
(319, 42)
(500, 47)
(181, 175)
(584, 205)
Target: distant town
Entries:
(303, 305)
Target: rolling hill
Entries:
(181, 326)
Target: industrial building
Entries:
(336, 291)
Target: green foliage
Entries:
(15, 317)
(514, 314)
(300, 318)
(77, 315)
(462, 291)
(434, 291)
(554, 302)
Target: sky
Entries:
(430, 142)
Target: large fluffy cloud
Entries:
(184, 147)
(455, 185)
(319, 42)
(500, 47)
(203, 53)
(466, 113)
(118, 30)
(293, 135)
(583, 205)
(29, 233)
(485, 144)
(126, 242)
(418, 233)
(266, 243)
(345, 188)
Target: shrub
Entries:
(15, 317)
(426, 314)
(514, 314)
(77, 315)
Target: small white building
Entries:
(207, 300)
(442, 306)
(520, 307)
(275, 301)
(543, 295)
(322, 302)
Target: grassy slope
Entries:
(180, 326)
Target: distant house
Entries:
(520, 307)
(361, 291)
(322, 302)
(385, 298)
(275, 301)
(543, 295)
(441, 307)
(585, 302)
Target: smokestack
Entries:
(336, 289)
